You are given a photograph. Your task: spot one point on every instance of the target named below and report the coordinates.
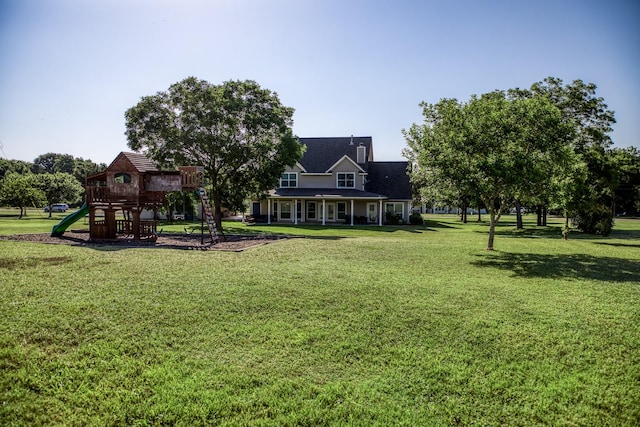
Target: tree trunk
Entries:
(565, 231)
(20, 217)
(519, 225)
(463, 215)
(479, 214)
(217, 210)
(539, 216)
(492, 227)
(544, 216)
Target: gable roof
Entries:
(139, 161)
(347, 159)
(322, 153)
(390, 179)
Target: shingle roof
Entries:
(390, 179)
(322, 153)
(325, 193)
(141, 162)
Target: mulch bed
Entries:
(234, 242)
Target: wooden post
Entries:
(136, 223)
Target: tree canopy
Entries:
(627, 191)
(493, 146)
(238, 131)
(595, 176)
(58, 187)
(17, 166)
(21, 191)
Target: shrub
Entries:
(597, 220)
(416, 219)
(391, 218)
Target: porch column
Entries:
(269, 211)
(295, 211)
(381, 213)
(351, 211)
(324, 212)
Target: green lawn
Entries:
(350, 325)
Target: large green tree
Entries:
(456, 186)
(66, 163)
(239, 132)
(18, 166)
(45, 163)
(592, 122)
(627, 191)
(83, 168)
(59, 187)
(492, 146)
(20, 190)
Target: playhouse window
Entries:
(122, 178)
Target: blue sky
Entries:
(71, 68)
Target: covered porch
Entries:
(309, 206)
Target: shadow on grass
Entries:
(14, 264)
(620, 245)
(434, 225)
(290, 229)
(555, 232)
(576, 266)
(538, 231)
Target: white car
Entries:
(57, 207)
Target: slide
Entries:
(61, 227)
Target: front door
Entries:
(330, 211)
(311, 211)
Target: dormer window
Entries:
(122, 178)
(289, 180)
(346, 180)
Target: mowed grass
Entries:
(360, 326)
(36, 221)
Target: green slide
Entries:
(61, 227)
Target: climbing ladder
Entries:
(208, 215)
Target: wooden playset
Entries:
(132, 184)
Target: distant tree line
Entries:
(51, 178)
(546, 147)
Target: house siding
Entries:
(315, 181)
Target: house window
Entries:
(289, 180)
(346, 179)
(285, 210)
(122, 178)
(311, 210)
(342, 210)
(396, 208)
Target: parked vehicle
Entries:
(523, 211)
(57, 207)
